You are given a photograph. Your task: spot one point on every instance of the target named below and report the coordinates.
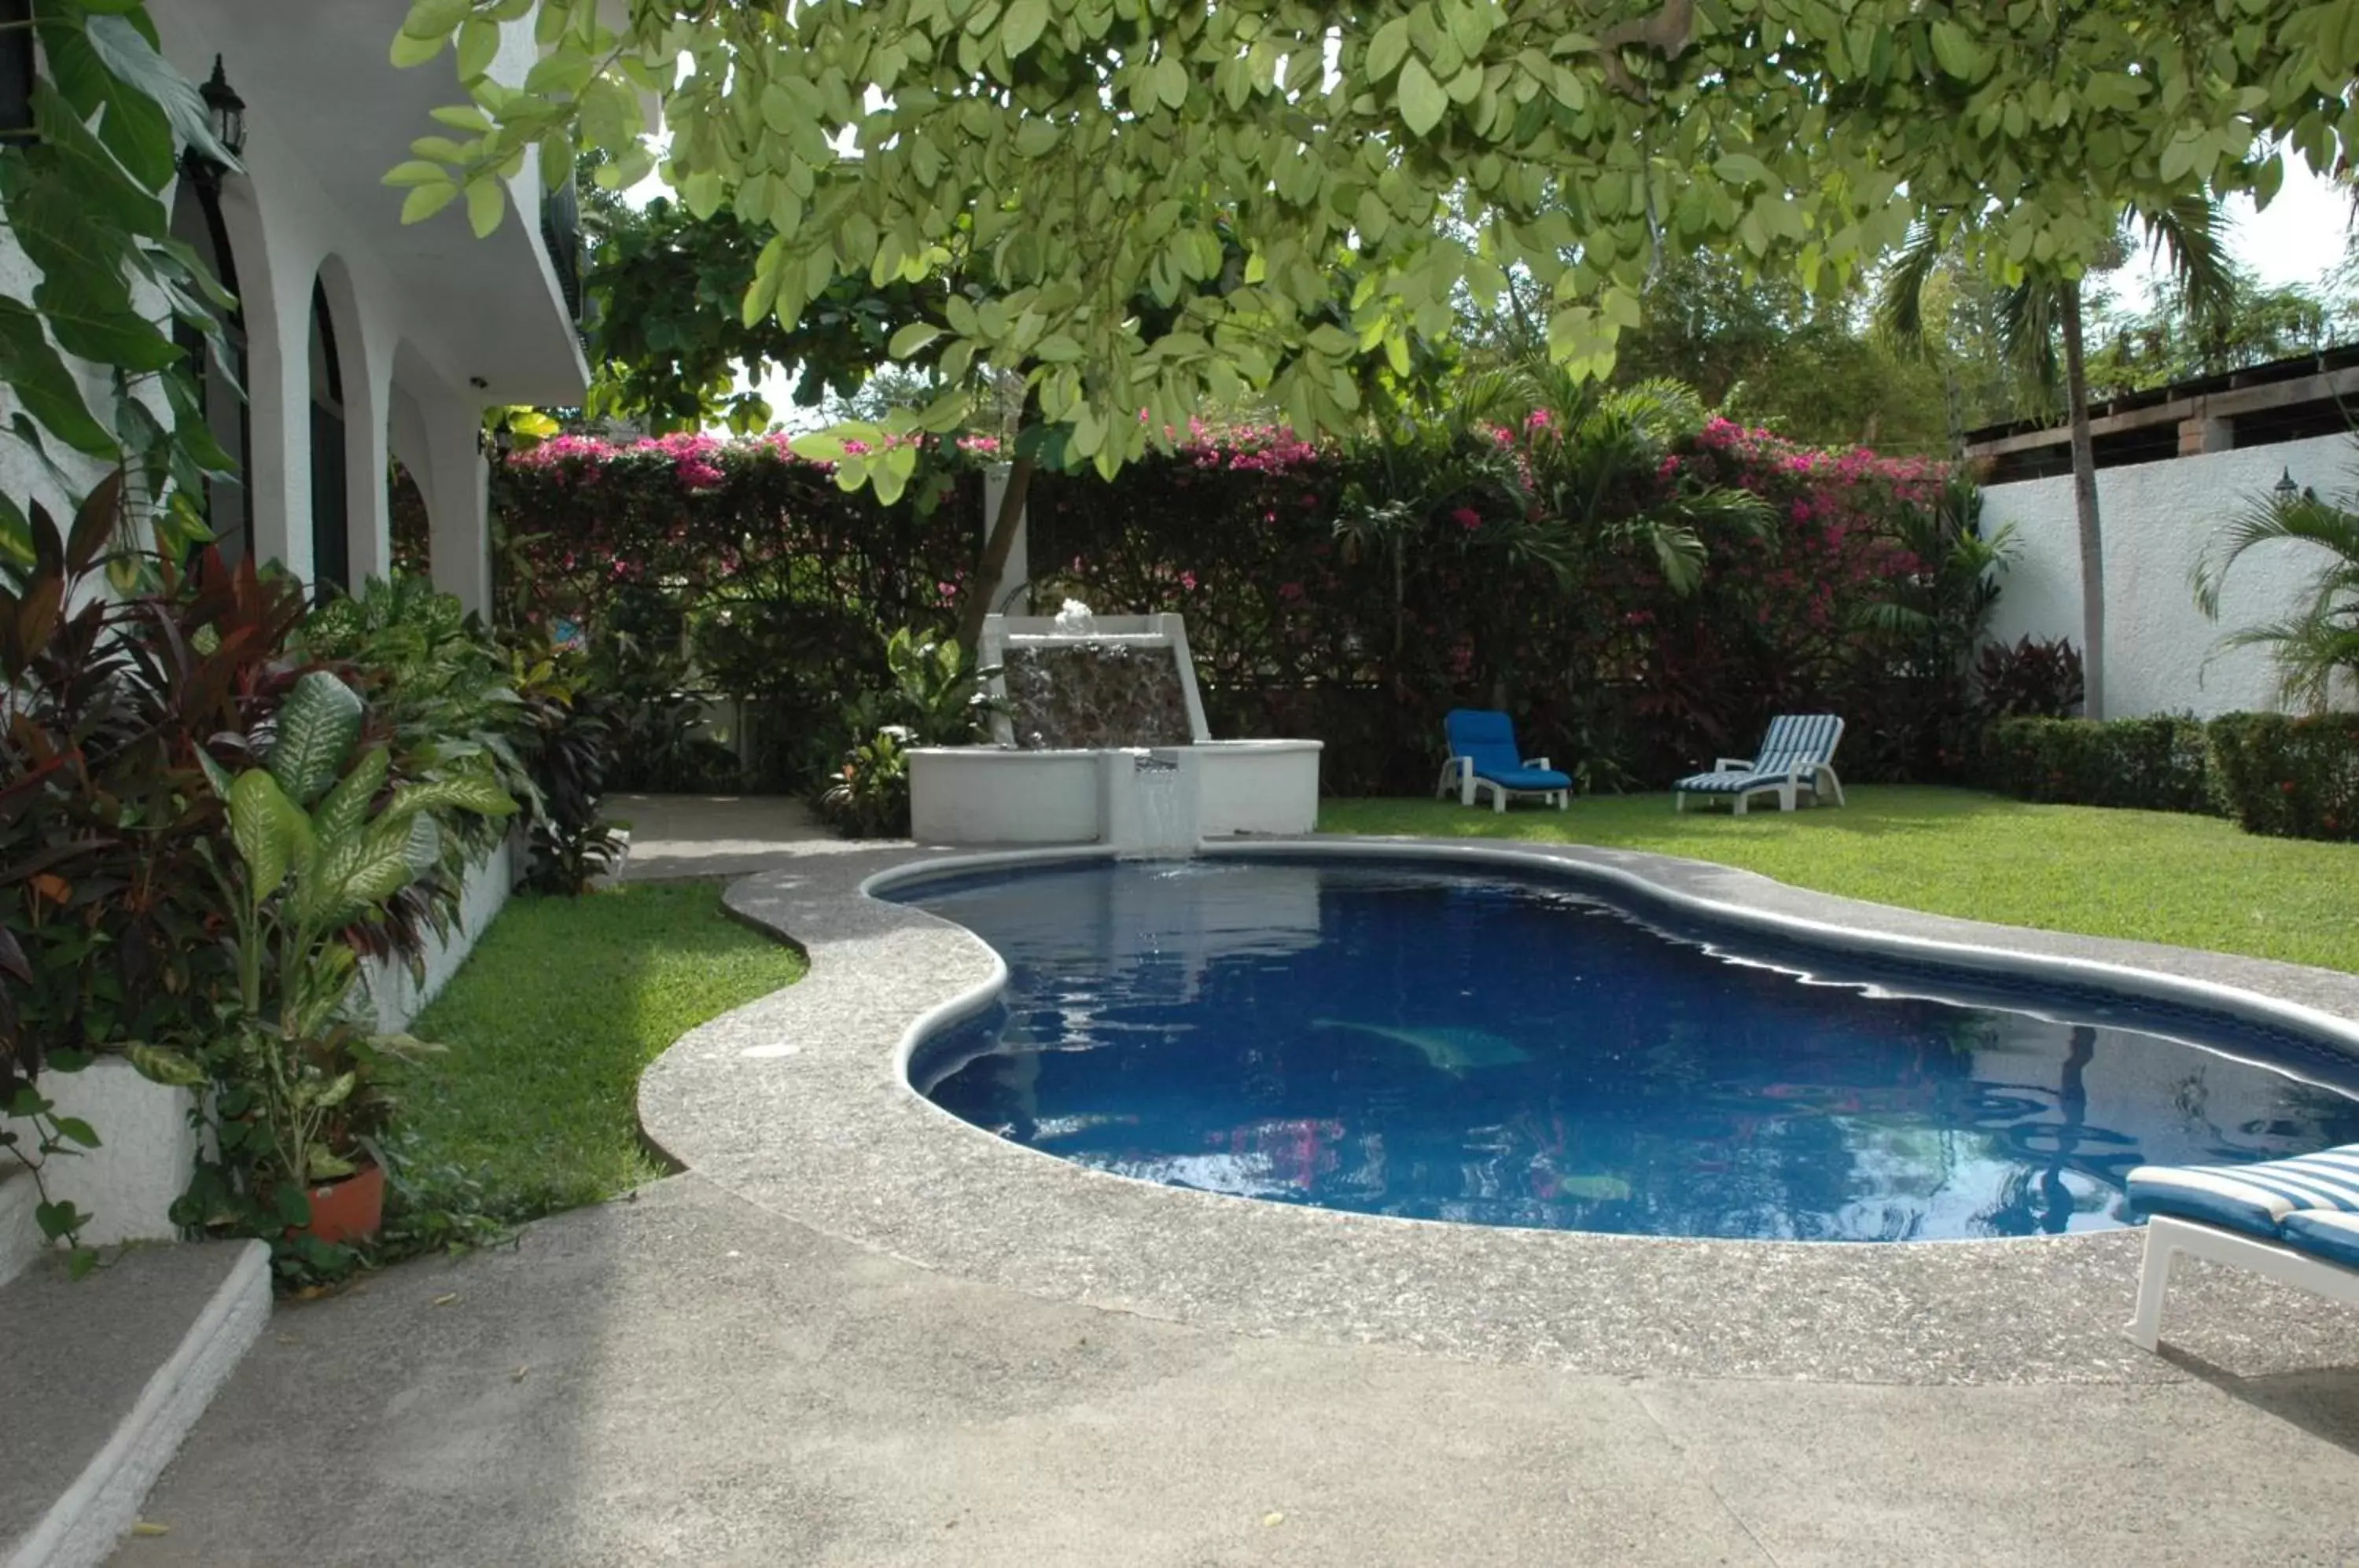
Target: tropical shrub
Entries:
(1642, 587)
(936, 697)
(109, 916)
(2033, 679)
(2152, 763)
(320, 847)
(2316, 648)
(2288, 777)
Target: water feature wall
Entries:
(1100, 739)
(1094, 695)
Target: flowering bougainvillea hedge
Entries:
(762, 579)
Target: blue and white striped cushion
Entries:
(2254, 1199)
(1794, 739)
(2331, 1234)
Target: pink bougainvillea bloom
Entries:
(1188, 581)
(1467, 518)
(1289, 591)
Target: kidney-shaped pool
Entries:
(1406, 1040)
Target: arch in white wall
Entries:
(274, 524)
(350, 532)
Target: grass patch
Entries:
(546, 1028)
(2146, 875)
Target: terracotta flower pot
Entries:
(348, 1210)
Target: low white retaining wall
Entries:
(148, 1146)
(396, 998)
(993, 795)
(2158, 520)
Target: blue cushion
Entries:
(1525, 777)
(2254, 1199)
(1487, 738)
(2331, 1234)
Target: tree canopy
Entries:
(1060, 159)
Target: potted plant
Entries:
(321, 845)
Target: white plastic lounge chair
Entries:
(1797, 754)
(2294, 1220)
(1484, 755)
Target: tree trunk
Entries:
(2084, 509)
(982, 589)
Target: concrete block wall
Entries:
(2158, 518)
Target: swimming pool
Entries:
(1505, 1050)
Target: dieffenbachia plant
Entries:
(1057, 160)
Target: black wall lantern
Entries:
(225, 117)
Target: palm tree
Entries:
(2186, 237)
(2320, 642)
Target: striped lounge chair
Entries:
(1797, 754)
(2294, 1220)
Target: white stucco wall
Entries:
(394, 999)
(147, 1147)
(2158, 517)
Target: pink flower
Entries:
(1289, 591)
(1188, 581)
(1467, 518)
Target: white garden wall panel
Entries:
(2162, 655)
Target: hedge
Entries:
(2286, 777)
(2289, 778)
(2150, 765)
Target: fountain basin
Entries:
(998, 795)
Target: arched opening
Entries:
(331, 552)
(220, 377)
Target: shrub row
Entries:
(2288, 776)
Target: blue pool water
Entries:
(1403, 1040)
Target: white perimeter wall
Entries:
(2158, 518)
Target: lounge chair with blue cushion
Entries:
(2294, 1220)
(1797, 754)
(1484, 755)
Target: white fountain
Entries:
(1100, 739)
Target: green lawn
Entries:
(2150, 876)
(546, 1028)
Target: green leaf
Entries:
(159, 1066)
(408, 51)
(317, 723)
(1421, 99)
(345, 807)
(479, 45)
(912, 338)
(42, 384)
(1022, 25)
(1957, 53)
(1387, 48)
(134, 61)
(477, 793)
(426, 201)
(487, 204)
(74, 1129)
(262, 825)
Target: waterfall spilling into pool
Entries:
(1401, 1038)
(1100, 738)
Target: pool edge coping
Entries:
(755, 1159)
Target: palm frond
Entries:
(2187, 237)
(1900, 310)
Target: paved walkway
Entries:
(688, 1377)
(685, 1378)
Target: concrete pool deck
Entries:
(811, 1349)
(797, 1104)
